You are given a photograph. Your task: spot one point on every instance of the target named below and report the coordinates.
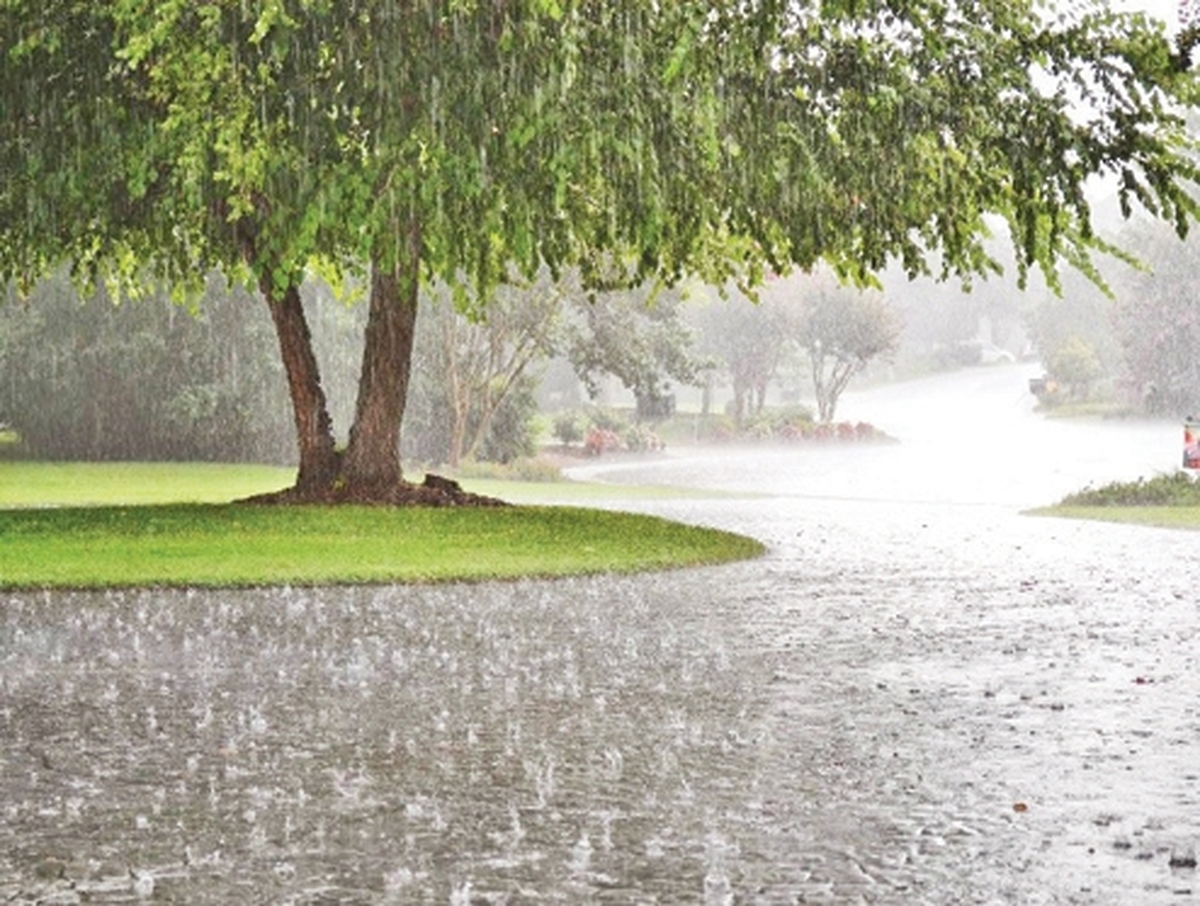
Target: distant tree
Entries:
(1081, 314)
(841, 330)
(1074, 363)
(488, 358)
(1157, 318)
(637, 336)
(90, 379)
(749, 339)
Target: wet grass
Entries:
(1176, 517)
(86, 525)
(241, 545)
(1168, 501)
(42, 484)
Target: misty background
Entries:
(86, 378)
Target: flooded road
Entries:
(918, 696)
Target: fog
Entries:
(972, 436)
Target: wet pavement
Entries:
(918, 695)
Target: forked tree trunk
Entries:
(314, 429)
(369, 470)
(372, 462)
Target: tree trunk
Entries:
(460, 391)
(739, 403)
(372, 464)
(369, 471)
(821, 390)
(314, 429)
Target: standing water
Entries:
(918, 696)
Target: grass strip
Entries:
(241, 545)
(1176, 517)
(1170, 500)
(42, 484)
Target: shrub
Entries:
(523, 469)
(640, 437)
(568, 428)
(608, 420)
(601, 440)
(1176, 489)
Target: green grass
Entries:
(41, 484)
(114, 525)
(1176, 517)
(1168, 501)
(242, 545)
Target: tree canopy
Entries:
(463, 140)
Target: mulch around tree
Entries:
(434, 491)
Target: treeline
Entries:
(145, 379)
(87, 379)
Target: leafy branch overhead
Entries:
(532, 132)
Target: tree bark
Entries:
(314, 430)
(372, 462)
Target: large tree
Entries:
(456, 139)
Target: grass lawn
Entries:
(42, 484)
(1169, 500)
(1178, 517)
(106, 525)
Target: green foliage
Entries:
(510, 431)
(142, 379)
(1175, 489)
(841, 330)
(787, 423)
(1076, 365)
(607, 420)
(677, 137)
(641, 438)
(1082, 313)
(568, 428)
(637, 336)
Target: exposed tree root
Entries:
(433, 491)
